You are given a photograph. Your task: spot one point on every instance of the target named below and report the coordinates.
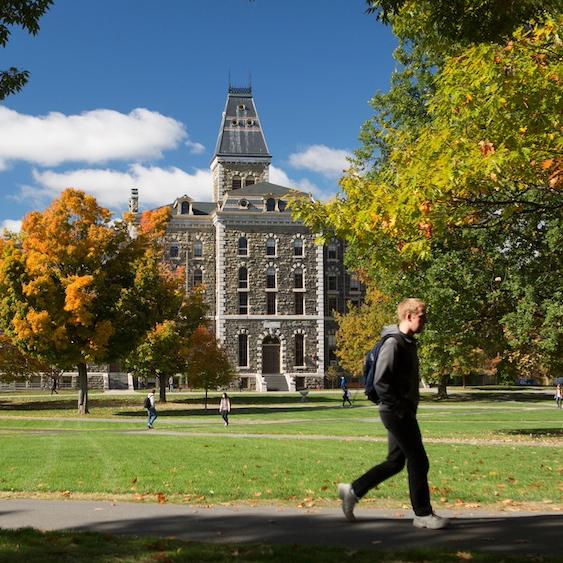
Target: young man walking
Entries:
(151, 409)
(396, 382)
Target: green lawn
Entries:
(484, 447)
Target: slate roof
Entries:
(262, 188)
(240, 133)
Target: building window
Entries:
(270, 303)
(332, 284)
(242, 246)
(298, 279)
(299, 350)
(270, 204)
(298, 247)
(281, 205)
(198, 277)
(271, 247)
(243, 303)
(299, 299)
(174, 251)
(243, 350)
(185, 208)
(198, 249)
(270, 278)
(250, 181)
(243, 278)
(332, 305)
(236, 183)
(354, 284)
(332, 251)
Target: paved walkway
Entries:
(514, 533)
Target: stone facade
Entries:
(269, 287)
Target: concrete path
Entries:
(513, 533)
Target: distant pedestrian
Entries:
(342, 382)
(150, 405)
(225, 408)
(54, 386)
(171, 383)
(558, 395)
(397, 382)
(346, 396)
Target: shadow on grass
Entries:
(212, 410)
(536, 432)
(491, 397)
(61, 404)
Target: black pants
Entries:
(225, 415)
(405, 444)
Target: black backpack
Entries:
(369, 369)
(147, 403)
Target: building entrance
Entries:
(270, 355)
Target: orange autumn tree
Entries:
(77, 289)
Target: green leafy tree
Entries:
(77, 289)
(458, 181)
(208, 365)
(163, 352)
(25, 14)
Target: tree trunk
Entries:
(82, 389)
(162, 382)
(206, 398)
(443, 387)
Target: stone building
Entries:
(270, 289)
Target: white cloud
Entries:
(112, 188)
(322, 159)
(278, 176)
(11, 225)
(195, 148)
(94, 136)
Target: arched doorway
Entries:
(271, 355)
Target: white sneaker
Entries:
(431, 521)
(349, 500)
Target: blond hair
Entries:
(411, 305)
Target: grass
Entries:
(493, 448)
(32, 546)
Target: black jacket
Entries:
(396, 373)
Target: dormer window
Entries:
(234, 122)
(270, 204)
(185, 208)
(243, 203)
(236, 183)
(241, 107)
(250, 181)
(281, 205)
(174, 251)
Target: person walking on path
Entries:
(396, 383)
(225, 408)
(151, 409)
(345, 396)
(558, 395)
(54, 386)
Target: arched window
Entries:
(298, 247)
(185, 207)
(198, 249)
(271, 247)
(270, 204)
(332, 251)
(299, 350)
(243, 350)
(174, 251)
(242, 246)
(243, 278)
(332, 284)
(271, 278)
(198, 277)
(281, 205)
(236, 183)
(250, 181)
(298, 279)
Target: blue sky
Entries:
(129, 93)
